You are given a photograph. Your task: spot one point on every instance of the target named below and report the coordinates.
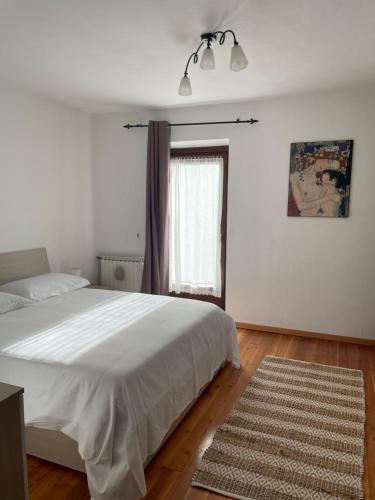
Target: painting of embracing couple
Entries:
(319, 178)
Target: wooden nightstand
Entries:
(13, 475)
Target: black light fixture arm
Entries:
(222, 36)
(194, 55)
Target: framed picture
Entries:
(319, 178)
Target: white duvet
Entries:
(113, 371)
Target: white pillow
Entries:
(9, 302)
(43, 286)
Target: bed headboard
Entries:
(23, 264)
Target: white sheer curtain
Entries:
(196, 190)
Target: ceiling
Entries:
(108, 54)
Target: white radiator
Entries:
(121, 273)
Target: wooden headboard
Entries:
(23, 264)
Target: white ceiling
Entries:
(108, 54)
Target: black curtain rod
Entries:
(140, 125)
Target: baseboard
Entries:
(304, 333)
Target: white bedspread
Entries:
(113, 371)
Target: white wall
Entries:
(45, 179)
(119, 173)
(310, 274)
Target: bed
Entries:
(107, 375)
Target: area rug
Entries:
(297, 432)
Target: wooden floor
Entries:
(169, 474)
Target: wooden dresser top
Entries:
(7, 391)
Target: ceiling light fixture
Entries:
(238, 60)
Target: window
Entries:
(198, 223)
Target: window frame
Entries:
(196, 152)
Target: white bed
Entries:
(113, 372)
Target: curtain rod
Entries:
(140, 125)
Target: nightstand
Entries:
(13, 473)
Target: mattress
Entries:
(113, 371)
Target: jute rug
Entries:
(297, 432)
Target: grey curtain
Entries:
(156, 266)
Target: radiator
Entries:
(121, 273)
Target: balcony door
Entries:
(198, 216)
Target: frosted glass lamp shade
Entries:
(208, 60)
(185, 87)
(238, 60)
